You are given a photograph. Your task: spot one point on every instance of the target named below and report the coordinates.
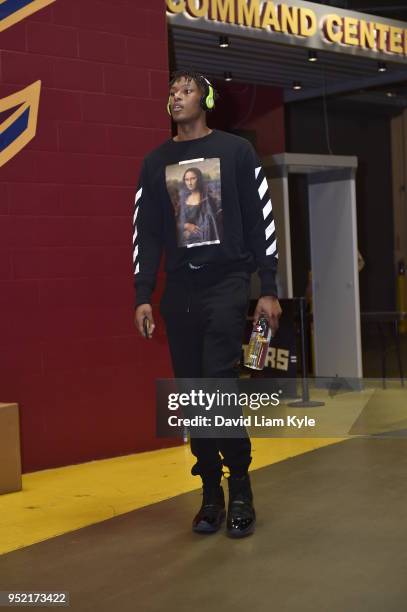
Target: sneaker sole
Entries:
(204, 527)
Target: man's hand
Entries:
(269, 307)
(144, 311)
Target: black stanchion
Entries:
(305, 401)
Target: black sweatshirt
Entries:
(206, 203)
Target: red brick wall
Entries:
(70, 355)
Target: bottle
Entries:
(258, 345)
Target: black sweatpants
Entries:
(205, 316)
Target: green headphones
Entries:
(207, 101)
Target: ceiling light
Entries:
(297, 85)
(382, 67)
(224, 42)
(228, 76)
(391, 94)
(312, 56)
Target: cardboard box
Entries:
(10, 456)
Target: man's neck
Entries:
(191, 132)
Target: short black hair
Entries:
(189, 75)
(194, 76)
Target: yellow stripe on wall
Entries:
(23, 12)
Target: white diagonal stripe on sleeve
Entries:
(267, 210)
(263, 188)
(138, 194)
(137, 269)
(135, 234)
(135, 214)
(135, 253)
(270, 230)
(256, 171)
(272, 248)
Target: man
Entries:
(206, 296)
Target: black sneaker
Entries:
(212, 512)
(241, 519)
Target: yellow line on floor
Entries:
(60, 500)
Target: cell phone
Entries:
(146, 327)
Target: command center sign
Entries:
(296, 22)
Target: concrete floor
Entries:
(331, 537)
